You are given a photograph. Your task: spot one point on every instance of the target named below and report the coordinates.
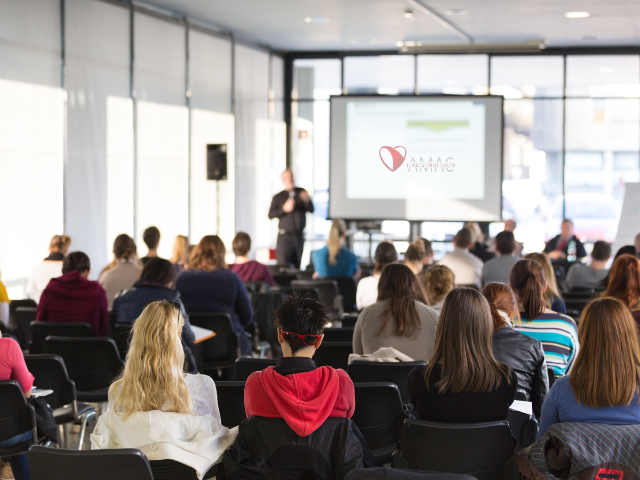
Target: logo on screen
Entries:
(392, 158)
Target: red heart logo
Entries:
(397, 157)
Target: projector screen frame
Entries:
(409, 95)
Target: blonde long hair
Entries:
(334, 243)
(180, 247)
(153, 374)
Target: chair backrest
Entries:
(22, 318)
(264, 307)
(172, 470)
(51, 374)
(41, 330)
(349, 319)
(333, 354)
(224, 346)
(122, 337)
(394, 372)
(327, 290)
(524, 428)
(347, 288)
(285, 279)
(551, 373)
(246, 366)
(92, 363)
(55, 464)
(16, 415)
(15, 304)
(344, 334)
(481, 449)
(231, 403)
(257, 286)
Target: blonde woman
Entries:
(335, 260)
(552, 296)
(180, 254)
(438, 282)
(155, 407)
(50, 267)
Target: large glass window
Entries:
(453, 74)
(385, 75)
(603, 76)
(527, 76)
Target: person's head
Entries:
(180, 247)
(566, 228)
(386, 254)
(529, 283)
(476, 232)
(151, 238)
(60, 244)
(76, 262)
(287, 179)
(601, 251)
(510, 225)
(300, 315)
(463, 345)
(241, 244)
(428, 251)
(636, 242)
(152, 378)
(208, 254)
(505, 243)
(399, 286)
(627, 249)
(415, 253)
(501, 299)
(463, 239)
(552, 292)
(438, 282)
(606, 372)
(624, 280)
(334, 242)
(158, 270)
(124, 248)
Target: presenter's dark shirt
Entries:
(463, 407)
(294, 221)
(556, 241)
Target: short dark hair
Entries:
(601, 251)
(463, 238)
(76, 262)
(505, 243)
(301, 314)
(241, 244)
(158, 270)
(151, 237)
(567, 220)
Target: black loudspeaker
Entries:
(217, 161)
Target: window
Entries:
(603, 76)
(453, 74)
(527, 76)
(385, 75)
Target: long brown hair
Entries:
(463, 346)
(438, 282)
(400, 286)
(606, 372)
(385, 254)
(208, 254)
(624, 280)
(501, 297)
(552, 291)
(124, 248)
(527, 280)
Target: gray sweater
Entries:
(419, 346)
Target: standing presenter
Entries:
(290, 207)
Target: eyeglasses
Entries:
(308, 339)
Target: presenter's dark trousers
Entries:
(289, 248)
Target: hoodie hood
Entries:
(72, 285)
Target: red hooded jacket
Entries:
(303, 400)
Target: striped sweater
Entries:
(559, 337)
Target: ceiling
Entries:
(379, 24)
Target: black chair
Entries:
(57, 464)
(333, 354)
(394, 372)
(231, 403)
(41, 330)
(264, 306)
(344, 334)
(92, 363)
(246, 366)
(22, 303)
(172, 470)
(481, 449)
(22, 318)
(551, 373)
(383, 473)
(524, 428)
(221, 351)
(328, 293)
(349, 319)
(285, 279)
(577, 298)
(379, 416)
(17, 416)
(50, 374)
(256, 287)
(347, 288)
(121, 335)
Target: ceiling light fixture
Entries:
(577, 14)
(399, 43)
(316, 19)
(307, 19)
(408, 13)
(455, 12)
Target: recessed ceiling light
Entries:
(307, 19)
(399, 43)
(455, 12)
(410, 44)
(577, 14)
(319, 19)
(408, 13)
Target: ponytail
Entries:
(60, 243)
(501, 301)
(527, 279)
(334, 243)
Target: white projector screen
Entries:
(416, 158)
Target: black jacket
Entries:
(294, 221)
(268, 448)
(525, 357)
(555, 242)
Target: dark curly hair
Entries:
(302, 314)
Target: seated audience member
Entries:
(207, 286)
(552, 296)
(510, 226)
(438, 282)
(465, 266)
(557, 248)
(498, 269)
(414, 255)
(13, 367)
(603, 384)
(123, 271)
(248, 270)
(367, 291)
(151, 238)
(399, 319)
(558, 333)
(427, 260)
(51, 267)
(478, 246)
(624, 283)
(73, 298)
(463, 382)
(335, 260)
(590, 276)
(523, 354)
(180, 253)
(4, 306)
(155, 407)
